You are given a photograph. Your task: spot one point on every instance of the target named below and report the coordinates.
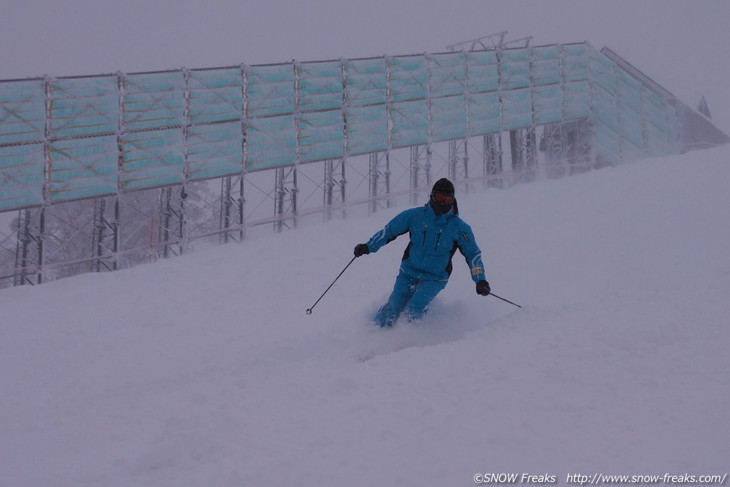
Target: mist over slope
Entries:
(205, 370)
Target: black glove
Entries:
(361, 249)
(483, 288)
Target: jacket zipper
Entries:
(438, 237)
(425, 227)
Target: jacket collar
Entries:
(453, 211)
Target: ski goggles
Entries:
(442, 199)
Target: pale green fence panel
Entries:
(628, 90)
(576, 62)
(152, 159)
(22, 111)
(215, 150)
(576, 100)
(366, 82)
(154, 101)
(22, 176)
(602, 72)
(447, 74)
(83, 168)
(605, 109)
(606, 142)
(408, 78)
(515, 67)
(367, 129)
(631, 126)
(548, 103)
(321, 135)
(320, 86)
(214, 143)
(215, 95)
(410, 123)
(483, 69)
(447, 91)
(484, 113)
(270, 90)
(271, 142)
(658, 115)
(516, 109)
(84, 106)
(448, 118)
(545, 63)
(22, 121)
(271, 139)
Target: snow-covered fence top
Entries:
(81, 137)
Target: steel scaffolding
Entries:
(99, 173)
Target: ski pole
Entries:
(309, 311)
(505, 300)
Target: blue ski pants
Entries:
(409, 294)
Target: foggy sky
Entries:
(680, 44)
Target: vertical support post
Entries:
(47, 176)
(619, 122)
(524, 157)
(596, 159)
(584, 151)
(567, 147)
(285, 200)
(187, 124)
(645, 123)
(379, 180)
(389, 101)
(182, 222)
(328, 186)
(420, 170)
(22, 247)
(97, 237)
(553, 141)
(170, 214)
(226, 203)
(531, 152)
(569, 139)
(331, 168)
(116, 233)
(492, 153)
(28, 234)
(345, 135)
(459, 161)
(552, 145)
(293, 198)
(41, 239)
(230, 203)
(241, 209)
(120, 170)
(343, 186)
(165, 216)
(241, 201)
(279, 196)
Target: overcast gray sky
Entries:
(682, 44)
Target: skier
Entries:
(436, 231)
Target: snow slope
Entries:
(204, 370)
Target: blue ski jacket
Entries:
(433, 241)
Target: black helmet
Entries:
(443, 186)
(442, 196)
